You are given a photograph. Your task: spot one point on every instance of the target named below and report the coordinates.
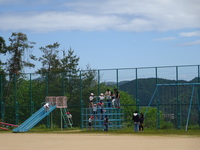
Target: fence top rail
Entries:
(175, 84)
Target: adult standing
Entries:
(117, 98)
(136, 121)
(141, 126)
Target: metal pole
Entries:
(136, 84)
(47, 93)
(1, 94)
(81, 101)
(189, 109)
(177, 99)
(199, 92)
(156, 70)
(117, 76)
(31, 97)
(63, 83)
(61, 123)
(98, 82)
(158, 114)
(179, 114)
(138, 105)
(15, 100)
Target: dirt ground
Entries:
(27, 141)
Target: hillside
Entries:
(146, 87)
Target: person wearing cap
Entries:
(101, 98)
(91, 98)
(69, 116)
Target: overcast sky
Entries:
(110, 33)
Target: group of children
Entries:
(112, 99)
(109, 96)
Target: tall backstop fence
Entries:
(168, 95)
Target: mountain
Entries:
(144, 88)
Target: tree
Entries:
(50, 60)
(2, 51)
(2, 45)
(19, 45)
(69, 65)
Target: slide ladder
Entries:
(68, 121)
(34, 119)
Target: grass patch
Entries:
(151, 132)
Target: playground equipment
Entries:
(115, 115)
(171, 101)
(61, 103)
(3, 125)
(55, 102)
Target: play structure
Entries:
(53, 103)
(115, 115)
(171, 102)
(4, 126)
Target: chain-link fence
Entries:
(23, 94)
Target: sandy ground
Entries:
(27, 141)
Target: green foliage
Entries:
(167, 125)
(129, 105)
(150, 119)
(18, 45)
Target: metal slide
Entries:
(34, 119)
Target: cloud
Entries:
(166, 39)
(197, 42)
(126, 15)
(52, 21)
(190, 34)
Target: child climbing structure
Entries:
(100, 110)
(51, 103)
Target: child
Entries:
(117, 98)
(101, 110)
(106, 121)
(101, 98)
(108, 97)
(46, 106)
(69, 116)
(113, 99)
(91, 98)
(95, 110)
(90, 123)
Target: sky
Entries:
(109, 34)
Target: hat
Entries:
(92, 94)
(101, 94)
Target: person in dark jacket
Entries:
(106, 121)
(141, 126)
(136, 121)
